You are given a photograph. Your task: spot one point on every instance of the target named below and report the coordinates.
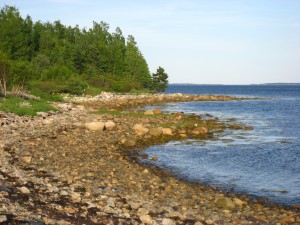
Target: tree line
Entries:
(58, 58)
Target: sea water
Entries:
(264, 162)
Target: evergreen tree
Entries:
(136, 66)
(159, 80)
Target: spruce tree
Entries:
(159, 80)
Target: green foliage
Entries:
(75, 86)
(159, 80)
(66, 58)
(19, 74)
(4, 73)
(24, 107)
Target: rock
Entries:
(130, 143)
(140, 129)
(26, 159)
(42, 114)
(167, 131)
(225, 203)
(135, 205)
(4, 188)
(3, 218)
(198, 223)
(157, 111)
(80, 107)
(93, 126)
(154, 158)
(75, 197)
(156, 132)
(142, 211)
(146, 219)
(199, 131)
(173, 214)
(64, 106)
(64, 193)
(167, 221)
(109, 125)
(24, 190)
(239, 202)
(149, 112)
(181, 131)
(287, 219)
(48, 121)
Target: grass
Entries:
(130, 113)
(24, 107)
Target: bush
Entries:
(75, 86)
(57, 72)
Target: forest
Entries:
(55, 58)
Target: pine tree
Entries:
(159, 80)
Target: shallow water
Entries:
(263, 162)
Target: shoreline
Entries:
(65, 173)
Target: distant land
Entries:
(190, 84)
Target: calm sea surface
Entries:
(264, 162)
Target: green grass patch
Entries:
(24, 107)
(130, 113)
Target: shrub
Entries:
(75, 86)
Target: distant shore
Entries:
(79, 166)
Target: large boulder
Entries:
(140, 129)
(93, 126)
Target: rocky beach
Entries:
(80, 165)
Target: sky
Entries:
(195, 41)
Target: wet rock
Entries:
(93, 126)
(24, 190)
(109, 125)
(225, 203)
(146, 219)
(156, 132)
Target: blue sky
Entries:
(196, 41)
